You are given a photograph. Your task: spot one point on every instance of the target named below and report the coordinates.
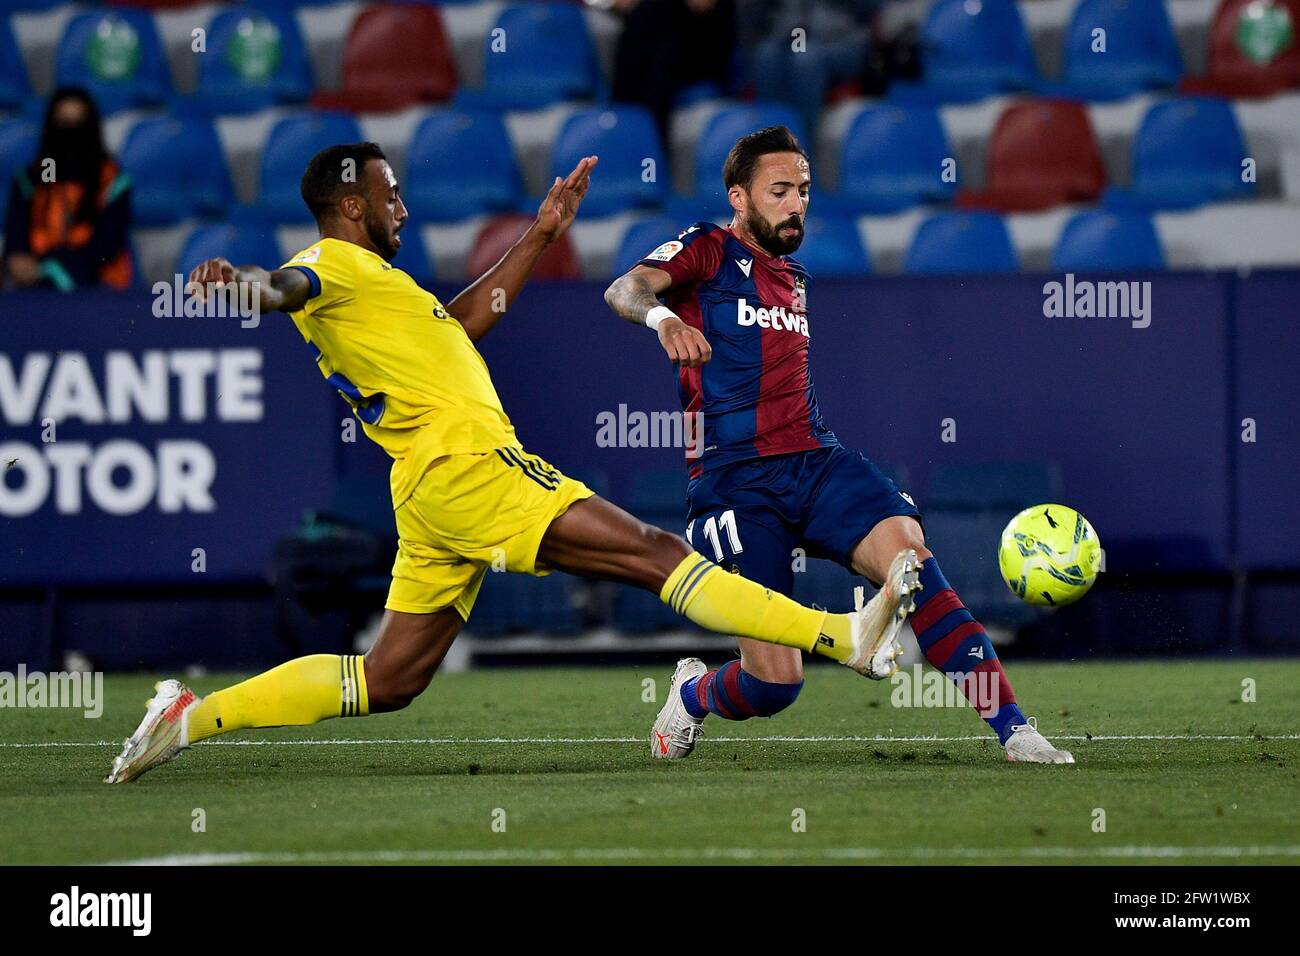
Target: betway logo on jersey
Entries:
(778, 317)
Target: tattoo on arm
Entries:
(631, 296)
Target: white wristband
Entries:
(657, 315)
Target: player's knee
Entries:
(767, 698)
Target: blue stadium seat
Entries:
(958, 243)
(1108, 240)
(625, 138)
(14, 88)
(643, 237)
(255, 58)
(721, 133)
(117, 56)
(461, 165)
(892, 159)
(177, 170)
(832, 246)
(547, 57)
(292, 143)
(19, 139)
(1141, 50)
(971, 49)
(1186, 152)
(242, 245)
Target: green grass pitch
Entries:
(1184, 770)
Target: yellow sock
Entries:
(729, 604)
(303, 691)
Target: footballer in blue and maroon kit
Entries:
(767, 476)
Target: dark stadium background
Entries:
(927, 304)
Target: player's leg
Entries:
(594, 538)
(432, 592)
(954, 642)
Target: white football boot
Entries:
(875, 627)
(161, 736)
(1027, 745)
(675, 731)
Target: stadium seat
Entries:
(643, 237)
(498, 234)
(1254, 50)
(14, 88)
(19, 139)
(242, 245)
(956, 243)
(293, 141)
(1108, 240)
(721, 133)
(396, 54)
(460, 165)
(626, 140)
(1042, 153)
(971, 49)
(177, 171)
(891, 159)
(1187, 152)
(832, 247)
(255, 58)
(536, 54)
(117, 57)
(1141, 51)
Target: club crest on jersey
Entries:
(666, 251)
(778, 318)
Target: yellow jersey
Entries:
(415, 381)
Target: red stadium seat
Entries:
(154, 4)
(501, 232)
(1252, 51)
(1042, 153)
(396, 55)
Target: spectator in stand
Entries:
(800, 69)
(667, 46)
(70, 210)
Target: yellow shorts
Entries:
(470, 513)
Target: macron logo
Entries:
(774, 318)
(745, 266)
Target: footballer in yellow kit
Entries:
(466, 495)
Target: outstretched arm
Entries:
(481, 306)
(635, 296)
(284, 289)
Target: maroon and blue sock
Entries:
(955, 643)
(735, 694)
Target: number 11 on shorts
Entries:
(726, 522)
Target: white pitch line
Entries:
(704, 854)
(466, 741)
